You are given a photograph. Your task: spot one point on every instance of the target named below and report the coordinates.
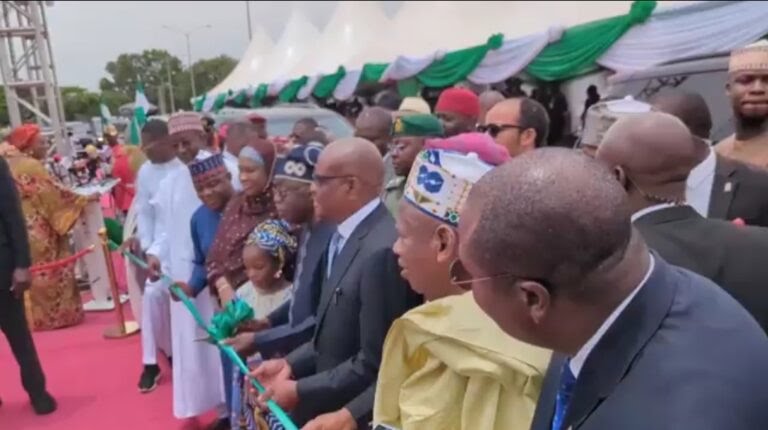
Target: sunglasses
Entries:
(494, 130)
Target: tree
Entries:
(151, 66)
(208, 73)
(79, 103)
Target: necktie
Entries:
(567, 384)
(299, 266)
(333, 252)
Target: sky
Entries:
(87, 35)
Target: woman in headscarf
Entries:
(50, 211)
(246, 210)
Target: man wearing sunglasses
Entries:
(449, 339)
(549, 247)
(519, 125)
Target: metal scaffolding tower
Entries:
(27, 67)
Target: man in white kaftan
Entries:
(197, 383)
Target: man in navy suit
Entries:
(640, 344)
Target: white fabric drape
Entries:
(405, 67)
(513, 56)
(307, 89)
(347, 85)
(689, 31)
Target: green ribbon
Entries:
(225, 323)
(455, 66)
(216, 339)
(291, 90)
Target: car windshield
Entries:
(283, 126)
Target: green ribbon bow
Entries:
(224, 324)
(215, 333)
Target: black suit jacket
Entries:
(358, 303)
(14, 245)
(294, 323)
(739, 191)
(733, 257)
(683, 355)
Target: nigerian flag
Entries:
(106, 116)
(140, 109)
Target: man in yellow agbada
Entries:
(446, 365)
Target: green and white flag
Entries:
(106, 116)
(140, 109)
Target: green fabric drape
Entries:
(372, 72)
(325, 85)
(198, 103)
(410, 87)
(577, 51)
(455, 66)
(259, 95)
(241, 98)
(289, 92)
(219, 102)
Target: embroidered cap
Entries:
(201, 169)
(752, 57)
(440, 181)
(601, 116)
(185, 121)
(299, 163)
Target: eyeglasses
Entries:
(461, 277)
(493, 130)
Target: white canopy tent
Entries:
(251, 63)
(298, 40)
(352, 29)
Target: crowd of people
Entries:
(439, 270)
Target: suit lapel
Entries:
(344, 260)
(723, 189)
(616, 351)
(545, 407)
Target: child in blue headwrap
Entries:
(269, 256)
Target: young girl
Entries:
(269, 256)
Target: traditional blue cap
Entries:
(207, 166)
(299, 163)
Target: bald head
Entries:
(375, 125)
(552, 214)
(654, 149)
(356, 157)
(690, 108)
(488, 99)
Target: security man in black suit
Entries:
(15, 278)
(737, 190)
(327, 382)
(652, 155)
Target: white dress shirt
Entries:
(578, 360)
(698, 188)
(345, 230)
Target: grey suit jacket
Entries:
(683, 355)
(358, 303)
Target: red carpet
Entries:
(93, 379)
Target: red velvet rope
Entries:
(63, 262)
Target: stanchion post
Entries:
(123, 328)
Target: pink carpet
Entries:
(93, 379)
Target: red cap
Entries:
(459, 100)
(255, 118)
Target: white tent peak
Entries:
(252, 61)
(352, 29)
(298, 39)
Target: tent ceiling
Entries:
(298, 40)
(251, 63)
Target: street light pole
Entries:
(248, 15)
(170, 85)
(187, 35)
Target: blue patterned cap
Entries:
(440, 181)
(299, 163)
(207, 166)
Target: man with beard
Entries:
(447, 352)
(748, 90)
(408, 135)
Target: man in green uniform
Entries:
(409, 133)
